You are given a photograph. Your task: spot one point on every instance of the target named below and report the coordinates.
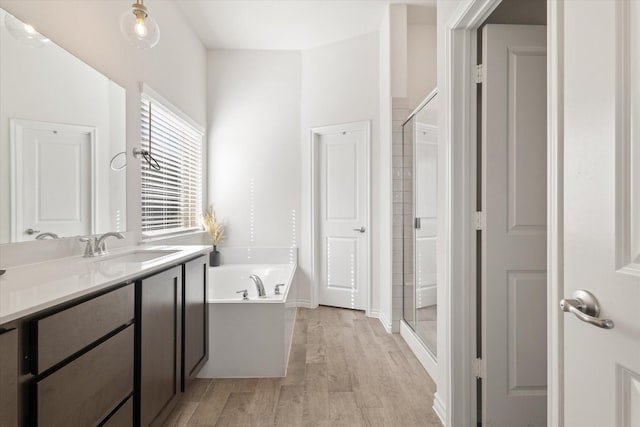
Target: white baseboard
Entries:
(303, 303)
(395, 326)
(439, 408)
(377, 314)
(425, 358)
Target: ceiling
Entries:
(288, 24)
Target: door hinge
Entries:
(478, 368)
(479, 73)
(479, 220)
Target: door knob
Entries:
(31, 231)
(586, 308)
(361, 229)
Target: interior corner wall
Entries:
(385, 171)
(340, 84)
(398, 49)
(421, 62)
(175, 68)
(254, 145)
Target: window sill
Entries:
(170, 236)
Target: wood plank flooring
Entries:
(344, 371)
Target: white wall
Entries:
(421, 62)
(175, 68)
(385, 247)
(254, 145)
(340, 84)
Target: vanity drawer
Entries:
(62, 334)
(123, 416)
(86, 390)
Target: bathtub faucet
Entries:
(259, 286)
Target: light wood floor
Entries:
(344, 370)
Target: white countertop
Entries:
(30, 288)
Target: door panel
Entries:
(159, 326)
(343, 208)
(513, 252)
(342, 184)
(195, 318)
(53, 180)
(601, 367)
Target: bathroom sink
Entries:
(139, 256)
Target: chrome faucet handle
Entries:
(245, 294)
(90, 248)
(277, 290)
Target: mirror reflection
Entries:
(62, 141)
(420, 166)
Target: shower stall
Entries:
(420, 211)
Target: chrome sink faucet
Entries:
(96, 246)
(259, 285)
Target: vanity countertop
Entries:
(30, 288)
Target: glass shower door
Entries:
(408, 230)
(420, 154)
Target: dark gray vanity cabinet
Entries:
(82, 360)
(195, 319)
(158, 346)
(8, 376)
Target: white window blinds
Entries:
(172, 195)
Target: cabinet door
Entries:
(159, 327)
(8, 377)
(195, 331)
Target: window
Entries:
(172, 195)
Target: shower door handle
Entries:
(418, 223)
(361, 229)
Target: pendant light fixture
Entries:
(139, 28)
(24, 33)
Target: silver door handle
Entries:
(361, 229)
(586, 308)
(31, 231)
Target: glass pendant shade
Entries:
(139, 28)
(25, 33)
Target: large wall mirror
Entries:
(62, 141)
(420, 165)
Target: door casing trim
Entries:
(459, 139)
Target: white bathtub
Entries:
(249, 338)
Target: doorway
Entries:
(53, 179)
(341, 215)
(509, 266)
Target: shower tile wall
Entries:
(401, 182)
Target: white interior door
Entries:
(426, 173)
(343, 210)
(514, 285)
(52, 180)
(602, 210)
